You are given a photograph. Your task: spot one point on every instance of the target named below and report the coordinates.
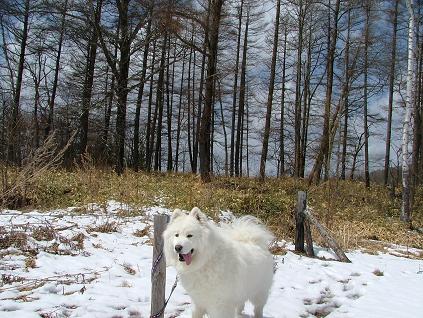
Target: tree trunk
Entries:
(189, 102)
(136, 151)
(36, 77)
(178, 128)
(282, 123)
(266, 136)
(225, 135)
(169, 110)
(194, 162)
(122, 84)
(391, 94)
(108, 110)
(418, 124)
(204, 135)
(323, 154)
(199, 107)
(235, 91)
(160, 103)
(88, 83)
(419, 100)
(50, 122)
(150, 125)
(407, 124)
(297, 110)
(247, 134)
(241, 107)
(306, 107)
(345, 97)
(14, 141)
(366, 71)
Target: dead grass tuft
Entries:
(107, 227)
(19, 184)
(13, 239)
(142, 232)
(128, 268)
(378, 272)
(276, 249)
(43, 233)
(79, 239)
(125, 284)
(30, 262)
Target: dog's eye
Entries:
(177, 235)
(189, 235)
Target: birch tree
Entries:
(407, 124)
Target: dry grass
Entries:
(13, 239)
(142, 232)
(43, 233)
(128, 268)
(79, 239)
(18, 183)
(378, 272)
(30, 262)
(107, 227)
(353, 214)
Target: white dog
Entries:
(220, 267)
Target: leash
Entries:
(156, 263)
(161, 311)
(153, 270)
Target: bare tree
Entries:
(323, 154)
(270, 94)
(391, 91)
(204, 133)
(14, 139)
(407, 123)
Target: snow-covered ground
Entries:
(105, 272)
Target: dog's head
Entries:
(185, 239)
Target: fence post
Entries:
(299, 221)
(158, 271)
(329, 239)
(308, 238)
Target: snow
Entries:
(109, 276)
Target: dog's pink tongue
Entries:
(187, 258)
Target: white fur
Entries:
(230, 264)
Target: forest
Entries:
(313, 89)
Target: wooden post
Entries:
(158, 271)
(299, 221)
(329, 239)
(308, 238)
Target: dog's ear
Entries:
(200, 216)
(176, 213)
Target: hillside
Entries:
(355, 215)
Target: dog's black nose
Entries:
(178, 248)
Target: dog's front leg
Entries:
(222, 312)
(198, 312)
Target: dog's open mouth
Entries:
(187, 258)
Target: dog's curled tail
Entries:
(249, 229)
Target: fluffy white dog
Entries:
(220, 267)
